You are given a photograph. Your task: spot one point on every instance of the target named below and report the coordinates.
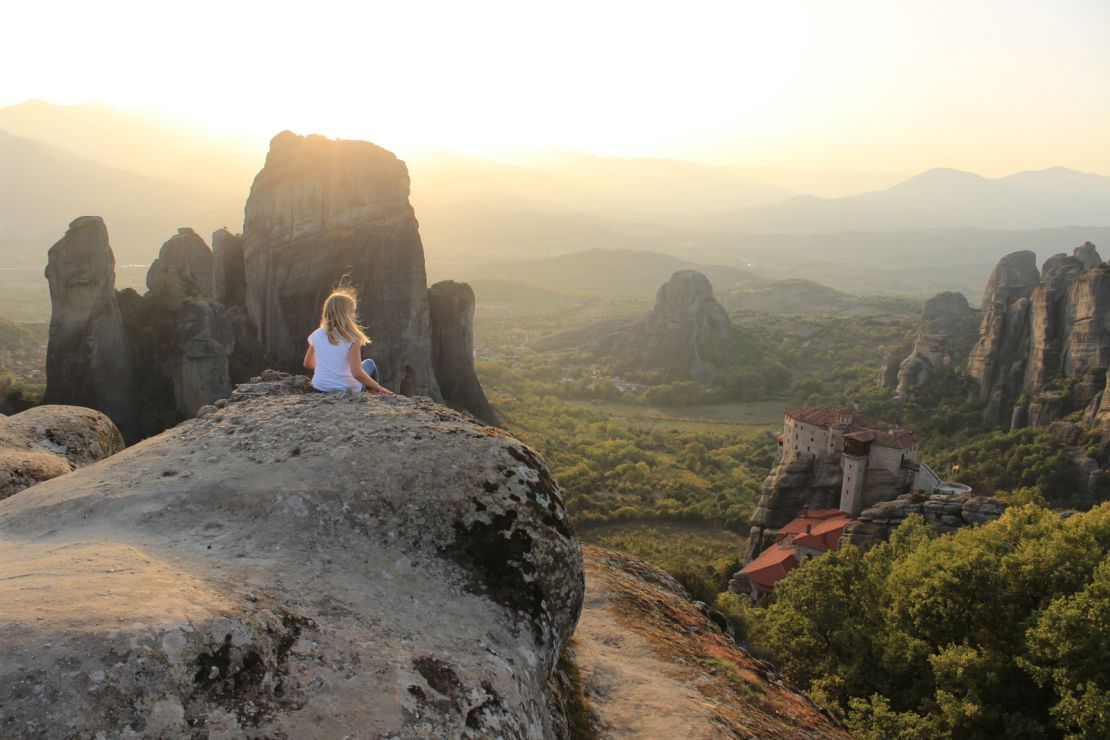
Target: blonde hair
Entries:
(339, 318)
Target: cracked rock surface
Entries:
(291, 564)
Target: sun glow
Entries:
(857, 83)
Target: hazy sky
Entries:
(888, 85)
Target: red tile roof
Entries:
(826, 416)
(776, 562)
(811, 518)
(824, 536)
(856, 426)
(772, 565)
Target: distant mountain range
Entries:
(161, 150)
(940, 229)
(614, 273)
(43, 188)
(938, 198)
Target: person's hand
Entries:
(382, 391)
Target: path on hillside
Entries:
(652, 666)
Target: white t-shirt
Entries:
(333, 366)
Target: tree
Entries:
(1068, 651)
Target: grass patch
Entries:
(744, 417)
(701, 558)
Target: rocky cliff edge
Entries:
(653, 664)
(291, 564)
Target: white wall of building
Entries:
(851, 489)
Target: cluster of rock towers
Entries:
(319, 211)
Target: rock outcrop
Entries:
(925, 362)
(319, 210)
(47, 441)
(1097, 413)
(1042, 334)
(997, 360)
(943, 316)
(229, 277)
(812, 480)
(183, 269)
(641, 649)
(675, 335)
(291, 564)
(1087, 254)
(451, 310)
(202, 375)
(888, 370)
(945, 312)
(943, 512)
(89, 355)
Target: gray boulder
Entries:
(47, 441)
(944, 513)
(291, 564)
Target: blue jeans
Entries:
(371, 369)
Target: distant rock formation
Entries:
(207, 343)
(183, 269)
(229, 281)
(944, 313)
(924, 363)
(1041, 332)
(888, 370)
(89, 356)
(943, 512)
(943, 316)
(1097, 413)
(294, 564)
(675, 335)
(1087, 254)
(47, 441)
(451, 307)
(320, 210)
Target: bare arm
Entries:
(310, 357)
(355, 360)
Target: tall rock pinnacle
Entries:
(322, 209)
(89, 356)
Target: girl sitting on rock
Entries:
(334, 350)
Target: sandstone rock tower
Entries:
(673, 337)
(89, 356)
(321, 209)
(1044, 341)
(452, 319)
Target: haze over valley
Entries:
(907, 234)
(572, 372)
